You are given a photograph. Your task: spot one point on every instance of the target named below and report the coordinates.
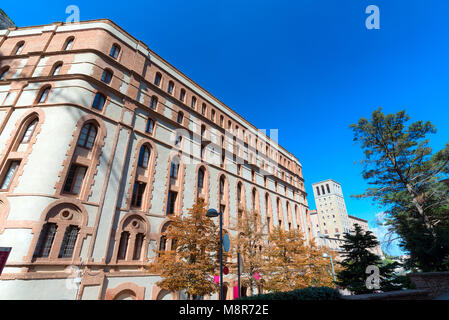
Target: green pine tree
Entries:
(358, 257)
(410, 181)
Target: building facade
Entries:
(330, 221)
(101, 142)
(5, 21)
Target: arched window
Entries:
(68, 43)
(59, 236)
(29, 131)
(43, 94)
(3, 73)
(138, 195)
(106, 77)
(9, 175)
(254, 200)
(164, 243)
(18, 148)
(144, 156)
(279, 211)
(18, 48)
(221, 121)
(171, 86)
(157, 79)
(212, 115)
(87, 136)
(223, 194)
(174, 168)
(240, 196)
(153, 102)
(115, 50)
(149, 126)
(268, 212)
(56, 68)
(203, 109)
(182, 95)
(200, 180)
(99, 101)
(222, 187)
(133, 242)
(202, 184)
(203, 131)
(193, 103)
(180, 117)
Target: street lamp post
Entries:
(211, 213)
(325, 255)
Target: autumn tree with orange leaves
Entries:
(249, 243)
(191, 263)
(292, 264)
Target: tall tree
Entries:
(249, 243)
(292, 264)
(192, 262)
(358, 256)
(406, 177)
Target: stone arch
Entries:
(127, 289)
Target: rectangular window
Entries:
(45, 240)
(99, 101)
(114, 51)
(69, 241)
(123, 246)
(171, 202)
(174, 168)
(150, 126)
(74, 180)
(138, 191)
(10, 174)
(138, 246)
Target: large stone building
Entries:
(5, 21)
(330, 221)
(101, 142)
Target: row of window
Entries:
(106, 77)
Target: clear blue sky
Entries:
(309, 68)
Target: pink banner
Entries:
(217, 279)
(236, 292)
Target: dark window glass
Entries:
(123, 245)
(150, 126)
(106, 77)
(115, 50)
(10, 174)
(3, 73)
(153, 103)
(45, 240)
(99, 101)
(69, 241)
(138, 246)
(144, 156)
(138, 191)
(171, 202)
(157, 79)
(44, 95)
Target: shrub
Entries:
(311, 293)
